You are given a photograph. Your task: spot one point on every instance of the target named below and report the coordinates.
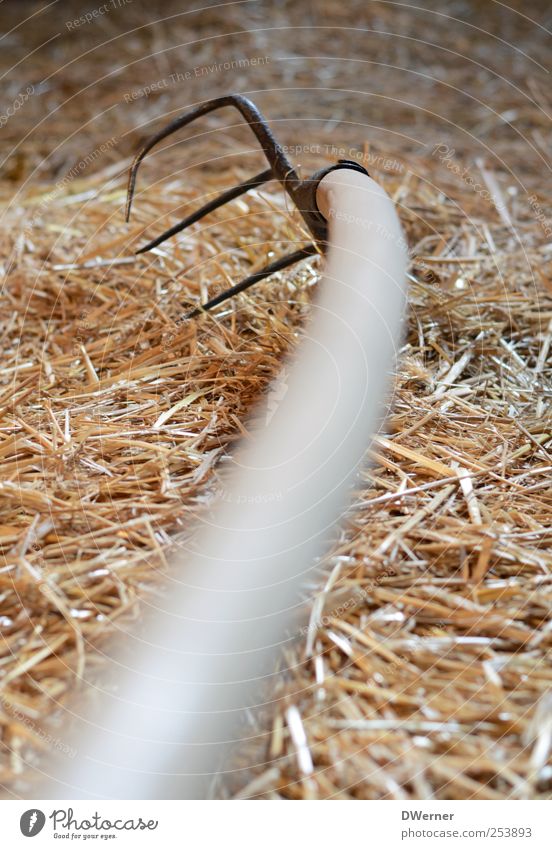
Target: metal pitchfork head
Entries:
(301, 192)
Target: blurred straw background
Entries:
(423, 668)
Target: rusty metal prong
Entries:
(277, 265)
(220, 200)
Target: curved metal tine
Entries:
(220, 200)
(277, 265)
(280, 164)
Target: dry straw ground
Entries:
(425, 670)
